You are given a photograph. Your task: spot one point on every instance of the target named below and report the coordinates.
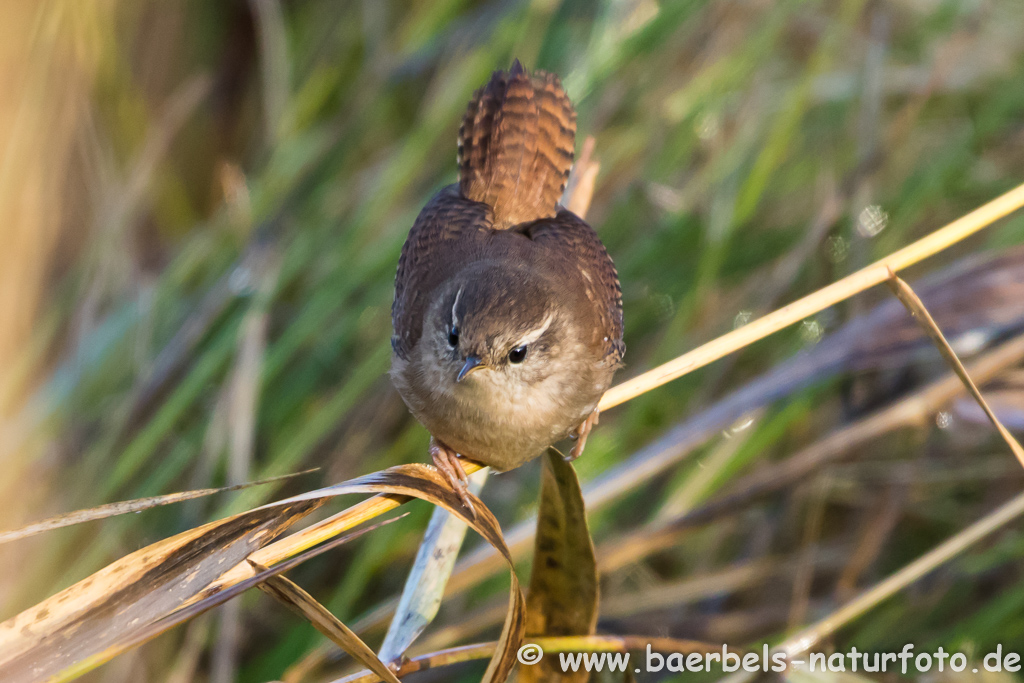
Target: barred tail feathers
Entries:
(516, 145)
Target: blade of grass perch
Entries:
(872, 275)
(96, 613)
(301, 602)
(145, 633)
(126, 506)
(563, 595)
(906, 295)
(424, 588)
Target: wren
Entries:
(508, 310)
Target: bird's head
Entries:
(496, 326)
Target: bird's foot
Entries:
(449, 466)
(581, 434)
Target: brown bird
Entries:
(508, 311)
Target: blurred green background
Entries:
(202, 205)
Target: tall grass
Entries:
(203, 203)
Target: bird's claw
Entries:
(581, 434)
(450, 467)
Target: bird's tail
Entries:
(516, 145)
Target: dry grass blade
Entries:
(917, 309)
(624, 644)
(563, 596)
(124, 507)
(274, 64)
(301, 602)
(98, 612)
(872, 275)
(140, 635)
(315, 534)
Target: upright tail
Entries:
(516, 145)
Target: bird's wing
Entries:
(443, 231)
(570, 237)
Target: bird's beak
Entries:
(472, 363)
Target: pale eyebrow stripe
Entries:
(455, 319)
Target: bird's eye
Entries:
(518, 354)
(453, 337)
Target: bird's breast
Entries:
(491, 418)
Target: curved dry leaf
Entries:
(917, 309)
(420, 481)
(126, 506)
(97, 612)
(563, 594)
(139, 636)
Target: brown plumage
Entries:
(516, 145)
(496, 277)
